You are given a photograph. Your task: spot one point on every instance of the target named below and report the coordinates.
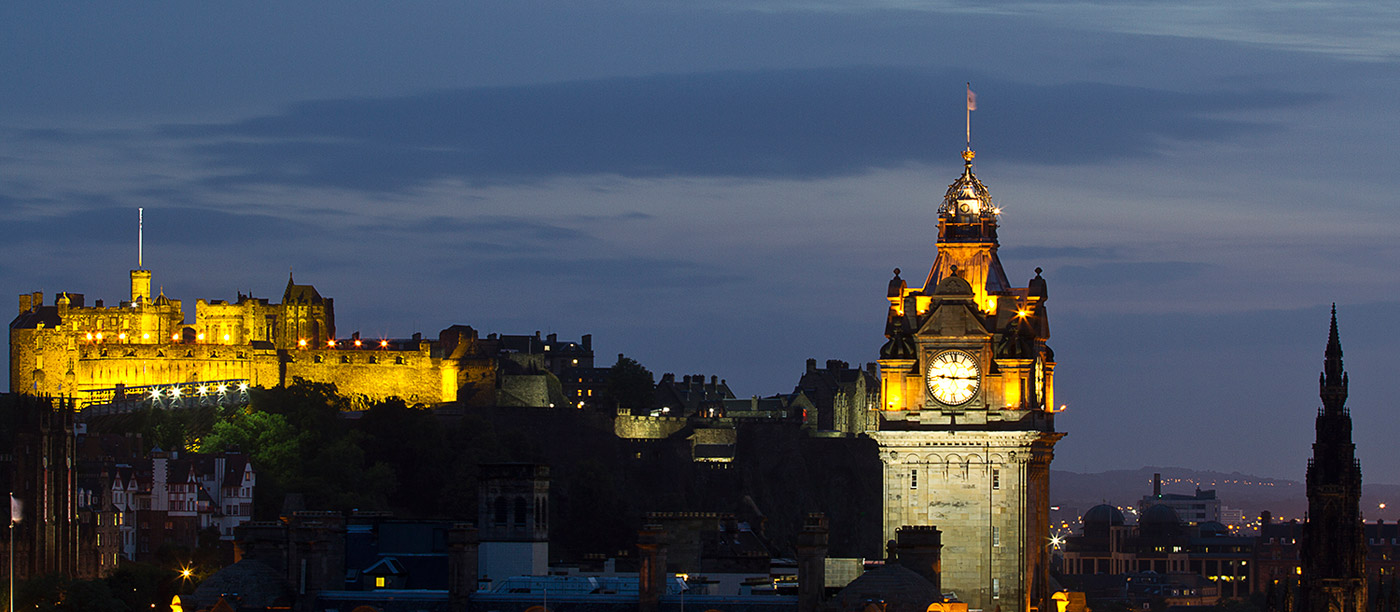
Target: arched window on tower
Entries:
(519, 511)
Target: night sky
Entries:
(723, 188)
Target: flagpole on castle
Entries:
(12, 550)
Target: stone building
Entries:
(142, 350)
(965, 424)
(39, 467)
(842, 397)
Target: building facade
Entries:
(965, 424)
(142, 350)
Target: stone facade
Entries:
(965, 420)
(98, 353)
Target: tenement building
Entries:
(966, 420)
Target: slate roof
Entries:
(252, 583)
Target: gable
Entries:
(952, 318)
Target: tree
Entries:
(630, 386)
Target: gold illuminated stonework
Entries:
(966, 430)
(71, 349)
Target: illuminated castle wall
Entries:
(70, 348)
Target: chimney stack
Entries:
(651, 576)
(811, 562)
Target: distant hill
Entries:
(1074, 492)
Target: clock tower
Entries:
(966, 426)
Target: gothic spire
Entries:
(1332, 383)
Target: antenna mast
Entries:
(140, 236)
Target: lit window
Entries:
(379, 582)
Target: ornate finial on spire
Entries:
(1333, 381)
(968, 155)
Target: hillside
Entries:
(1075, 492)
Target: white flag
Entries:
(971, 99)
(16, 509)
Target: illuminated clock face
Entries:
(953, 377)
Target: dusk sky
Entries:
(718, 187)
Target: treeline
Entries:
(311, 452)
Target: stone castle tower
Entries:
(1333, 546)
(966, 422)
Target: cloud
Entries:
(758, 124)
(1130, 273)
(1060, 252)
(106, 223)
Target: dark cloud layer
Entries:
(783, 123)
(1135, 272)
(114, 223)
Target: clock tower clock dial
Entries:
(954, 377)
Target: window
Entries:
(519, 511)
(996, 588)
(996, 536)
(379, 582)
(913, 479)
(996, 479)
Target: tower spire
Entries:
(140, 237)
(1332, 383)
